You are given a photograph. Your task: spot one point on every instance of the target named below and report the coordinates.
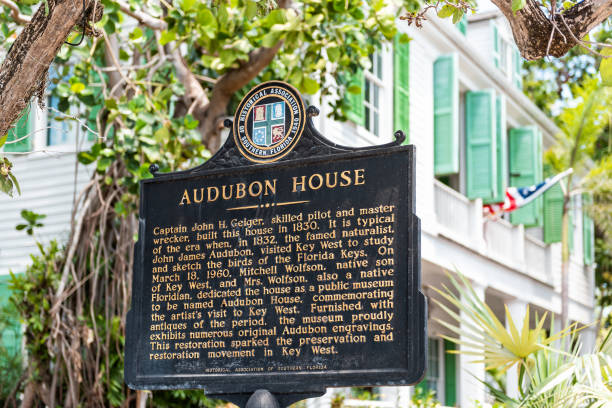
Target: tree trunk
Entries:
(532, 28)
(24, 71)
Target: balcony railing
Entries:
(462, 221)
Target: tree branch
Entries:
(225, 87)
(538, 35)
(15, 12)
(195, 96)
(24, 70)
(142, 17)
(235, 79)
(505, 6)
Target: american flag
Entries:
(516, 197)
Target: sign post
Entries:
(284, 265)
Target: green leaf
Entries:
(605, 68)
(123, 55)
(136, 34)
(103, 164)
(147, 140)
(166, 37)
(251, 9)
(6, 186)
(354, 89)
(110, 103)
(269, 40)
(404, 38)
(63, 90)
(187, 5)
(457, 16)
(190, 122)
(85, 158)
(517, 5)
(16, 184)
(333, 53)
(310, 86)
(162, 135)
(446, 11)
(3, 140)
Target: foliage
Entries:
(487, 337)
(8, 181)
(32, 221)
(337, 400)
(138, 109)
(364, 393)
(603, 278)
(11, 362)
(550, 83)
(582, 125)
(32, 296)
(133, 100)
(549, 376)
(423, 398)
(183, 398)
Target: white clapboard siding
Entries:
(47, 187)
(480, 36)
(422, 57)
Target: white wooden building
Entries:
(457, 95)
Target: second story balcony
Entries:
(461, 220)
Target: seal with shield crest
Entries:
(269, 121)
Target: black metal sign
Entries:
(285, 263)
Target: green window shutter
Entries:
(450, 374)
(571, 226)
(480, 144)
(401, 81)
(588, 231)
(553, 213)
(21, 130)
(356, 110)
(10, 327)
(517, 65)
(501, 149)
(525, 154)
(496, 45)
(446, 115)
(462, 24)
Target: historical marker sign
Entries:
(285, 262)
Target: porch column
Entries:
(470, 388)
(517, 309)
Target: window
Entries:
(506, 56)
(371, 103)
(432, 377)
(365, 108)
(59, 130)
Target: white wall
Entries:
(48, 186)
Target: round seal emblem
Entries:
(269, 121)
